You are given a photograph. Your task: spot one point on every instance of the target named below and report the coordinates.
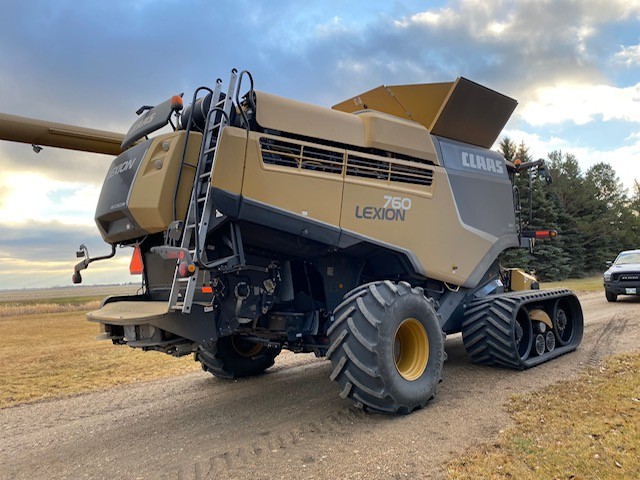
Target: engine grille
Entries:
(305, 157)
(286, 154)
(388, 170)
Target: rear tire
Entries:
(611, 297)
(233, 357)
(387, 347)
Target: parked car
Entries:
(623, 276)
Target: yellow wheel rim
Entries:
(411, 349)
(245, 348)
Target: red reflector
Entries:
(207, 290)
(546, 233)
(136, 266)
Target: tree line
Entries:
(593, 213)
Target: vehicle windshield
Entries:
(627, 258)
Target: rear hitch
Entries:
(83, 251)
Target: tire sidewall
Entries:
(411, 305)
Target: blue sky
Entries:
(573, 66)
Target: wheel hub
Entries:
(411, 349)
(244, 347)
(561, 318)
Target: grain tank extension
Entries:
(364, 233)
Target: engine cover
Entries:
(138, 190)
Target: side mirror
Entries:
(609, 263)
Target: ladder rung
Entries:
(205, 175)
(202, 199)
(183, 279)
(191, 225)
(209, 150)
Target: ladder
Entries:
(201, 204)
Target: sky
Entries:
(573, 66)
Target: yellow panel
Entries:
(520, 280)
(392, 134)
(423, 102)
(278, 113)
(151, 198)
(541, 316)
(378, 99)
(229, 167)
(462, 110)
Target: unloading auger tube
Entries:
(363, 233)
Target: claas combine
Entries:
(364, 233)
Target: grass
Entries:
(590, 284)
(53, 352)
(587, 428)
(53, 305)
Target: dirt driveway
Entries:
(289, 423)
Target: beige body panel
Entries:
(369, 129)
(230, 158)
(122, 313)
(389, 133)
(291, 116)
(39, 132)
(312, 194)
(151, 201)
(431, 230)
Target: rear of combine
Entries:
(363, 233)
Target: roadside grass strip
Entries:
(590, 284)
(53, 353)
(588, 428)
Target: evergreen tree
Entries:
(571, 200)
(606, 226)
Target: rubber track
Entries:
(488, 325)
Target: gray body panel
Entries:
(481, 186)
(113, 218)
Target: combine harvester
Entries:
(364, 233)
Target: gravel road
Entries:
(288, 423)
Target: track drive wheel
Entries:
(387, 347)
(611, 297)
(234, 357)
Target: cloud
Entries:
(630, 56)
(581, 104)
(38, 254)
(33, 196)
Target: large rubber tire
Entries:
(232, 357)
(380, 330)
(611, 297)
